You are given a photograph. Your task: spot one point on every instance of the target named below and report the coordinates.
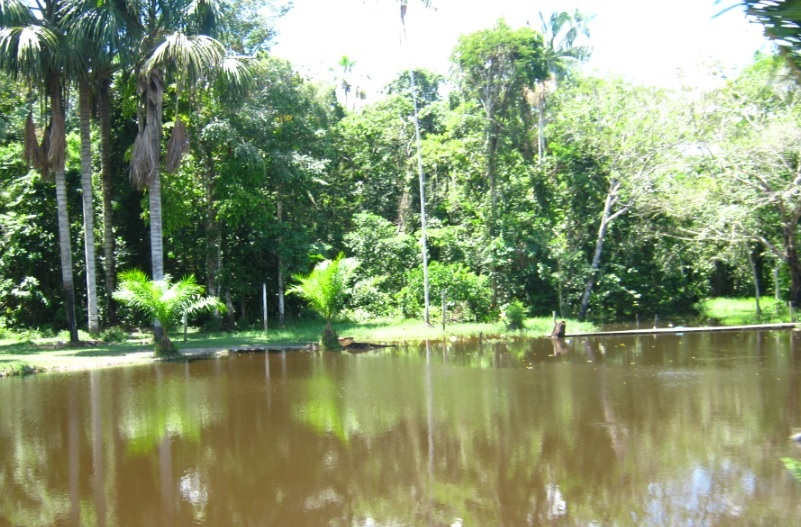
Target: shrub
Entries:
(113, 334)
(514, 315)
(467, 294)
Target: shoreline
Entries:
(75, 362)
(23, 358)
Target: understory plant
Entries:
(514, 315)
(326, 289)
(164, 301)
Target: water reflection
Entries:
(667, 430)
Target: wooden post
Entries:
(184, 326)
(792, 310)
(264, 304)
(554, 318)
(656, 321)
(637, 319)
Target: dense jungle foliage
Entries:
(591, 197)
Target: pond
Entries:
(667, 430)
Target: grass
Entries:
(11, 367)
(31, 353)
(742, 311)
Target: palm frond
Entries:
(44, 147)
(144, 158)
(177, 146)
(57, 147)
(25, 50)
(210, 17)
(238, 76)
(32, 151)
(164, 300)
(325, 287)
(194, 55)
(14, 13)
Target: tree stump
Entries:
(559, 330)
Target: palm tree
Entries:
(191, 55)
(347, 65)
(560, 34)
(101, 29)
(164, 301)
(33, 46)
(325, 289)
(781, 21)
(84, 111)
(174, 39)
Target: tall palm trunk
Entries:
(66, 253)
(146, 170)
(109, 265)
(88, 206)
(55, 159)
(153, 101)
(55, 156)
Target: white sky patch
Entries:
(645, 41)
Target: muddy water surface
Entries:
(667, 430)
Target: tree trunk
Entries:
(66, 254)
(606, 218)
(281, 304)
(776, 292)
(281, 310)
(88, 206)
(109, 265)
(793, 262)
(492, 147)
(213, 239)
(230, 312)
(541, 128)
(754, 276)
(56, 160)
(153, 102)
(153, 118)
(421, 178)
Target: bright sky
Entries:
(646, 41)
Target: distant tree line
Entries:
(180, 146)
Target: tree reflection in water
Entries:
(623, 431)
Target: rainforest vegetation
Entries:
(163, 136)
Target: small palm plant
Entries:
(325, 289)
(164, 301)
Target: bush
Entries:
(514, 315)
(113, 334)
(369, 301)
(467, 294)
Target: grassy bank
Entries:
(31, 353)
(742, 311)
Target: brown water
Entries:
(684, 430)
